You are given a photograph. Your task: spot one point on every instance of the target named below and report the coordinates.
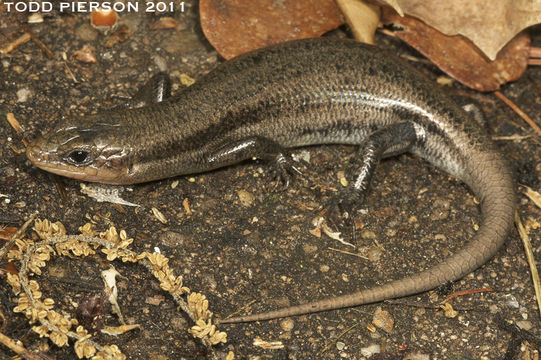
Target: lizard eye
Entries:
(78, 157)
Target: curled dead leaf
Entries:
(489, 25)
(459, 58)
(449, 311)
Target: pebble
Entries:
(370, 350)
(324, 268)
(287, 324)
(23, 95)
(309, 248)
(246, 199)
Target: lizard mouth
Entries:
(45, 161)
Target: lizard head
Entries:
(85, 148)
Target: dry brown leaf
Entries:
(85, 55)
(165, 23)
(234, 27)
(459, 58)
(488, 24)
(533, 195)
(362, 18)
(6, 233)
(383, 320)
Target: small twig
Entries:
(515, 137)
(326, 348)
(416, 59)
(531, 260)
(534, 62)
(387, 32)
(36, 39)
(4, 324)
(535, 52)
(349, 253)
(24, 38)
(519, 112)
(68, 69)
(18, 234)
(20, 350)
(241, 309)
(432, 306)
(13, 122)
(465, 292)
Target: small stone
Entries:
(287, 324)
(246, 199)
(374, 253)
(370, 350)
(440, 209)
(23, 95)
(309, 248)
(368, 235)
(525, 325)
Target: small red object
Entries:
(103, 18)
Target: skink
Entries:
(294, 94)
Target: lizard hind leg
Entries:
(390, 140)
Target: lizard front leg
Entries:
(229, 152)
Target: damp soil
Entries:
(246, 247)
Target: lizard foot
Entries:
(282, 171)
(342, 207)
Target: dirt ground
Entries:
(244, 245)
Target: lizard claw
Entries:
(342, 207)
(282, 169)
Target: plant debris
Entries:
(59, 327)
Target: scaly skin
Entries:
(295, 94)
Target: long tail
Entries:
(492, 183)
